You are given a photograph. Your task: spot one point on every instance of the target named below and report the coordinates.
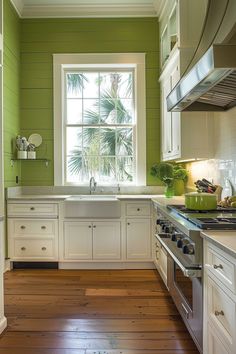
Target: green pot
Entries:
(200, 201)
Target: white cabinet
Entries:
(138, 238)
(138, 231)
(181, 23)
(185, 135)
(77, 240)
(33, 231)
(92, 240)
(219, 301)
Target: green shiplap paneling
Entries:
(11, 91)
(41, 38)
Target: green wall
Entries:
(41, 38)
(11, 91)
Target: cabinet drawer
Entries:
(26, 248)
(26, 227)
(32, 209)
(221, 310)
(222, 267)
(138, 209)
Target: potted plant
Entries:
(172, 175)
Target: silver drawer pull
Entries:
(22, 227)
(215, 266)
(219, 313)
(44, 248)
(43, 227)
(23, 248)
(32, 208)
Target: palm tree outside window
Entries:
(99, 126)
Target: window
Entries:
(99, 119)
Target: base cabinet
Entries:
(92, 240)
(219, 301)
(138, 238)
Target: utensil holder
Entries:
(31, 155)
(22, 155)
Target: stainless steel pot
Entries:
(200, 201)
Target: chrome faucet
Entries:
(92, 185)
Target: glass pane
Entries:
(73, 140)
(74, 111)
(91, 85)
(74, 168)
(105, 83)
(75, 83)
(125, 169)
(108, 141)
(107, 109)
(91, 168)
(91, 112)
(108, 169)
(125, 111)
(125, 88)
(124, 141)
(91, 141)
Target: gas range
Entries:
(219, 219)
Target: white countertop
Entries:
(53, 197)
(226, 240)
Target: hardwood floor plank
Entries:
(101, 325)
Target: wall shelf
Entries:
(46, 161)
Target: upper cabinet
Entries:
(185, 136)
(181, 23)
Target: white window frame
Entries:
(62, 62)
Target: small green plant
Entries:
(167, 172)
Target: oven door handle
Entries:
(188, 272)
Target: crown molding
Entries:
(18, 5)
(85, 11)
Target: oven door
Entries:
(187, 295)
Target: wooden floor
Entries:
(91, 312)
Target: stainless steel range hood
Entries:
(210, 84)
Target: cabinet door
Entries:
(106, 240)
(214, 344)
(78, 240)
(166, 121)
(138, 239)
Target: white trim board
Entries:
(81, 9)
(64, 61)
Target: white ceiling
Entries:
(87, 8)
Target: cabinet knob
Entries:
(169, 151)
(44, 248)
(90, 226)
(128, 223)
(43, 227)
(138, 209)
(219, 313)
(215, 266)
(22, 227)
(23, 248)
(94, 226)
(32, 208)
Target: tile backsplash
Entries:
(222, 169)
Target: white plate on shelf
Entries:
(35, 139)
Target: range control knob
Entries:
(180, 243)
(175, 237)
(167, 229)
(188, 249)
